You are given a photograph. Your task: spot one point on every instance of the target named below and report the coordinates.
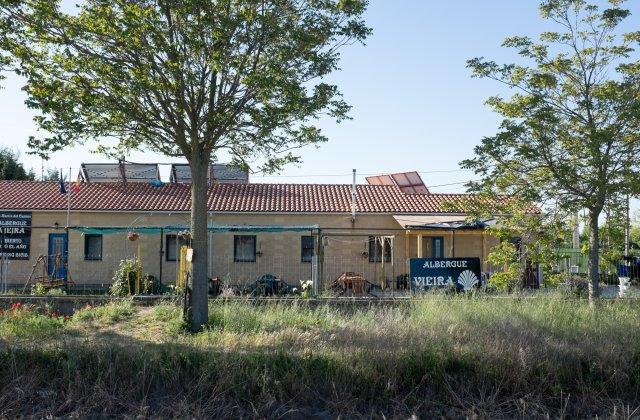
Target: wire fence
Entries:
(89, 266)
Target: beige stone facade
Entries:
(344, 246)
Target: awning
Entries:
(105, 230)
(447, 222)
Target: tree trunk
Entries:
(199, 311)
(594, 257)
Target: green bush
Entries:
(125, 278)
(38, 289)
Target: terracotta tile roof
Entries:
(295, 198)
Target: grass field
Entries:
(438, 356)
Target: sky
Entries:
(415, 105)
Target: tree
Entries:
(188, 78)
(11, 168)
(51, 174)
(569, 138)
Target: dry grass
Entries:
(439, 356)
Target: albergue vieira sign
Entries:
(15, 235)
(462, 273)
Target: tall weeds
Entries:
(438, 356)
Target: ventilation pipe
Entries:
(354, 197)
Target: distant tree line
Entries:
(11, 168)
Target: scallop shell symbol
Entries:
(467, 279)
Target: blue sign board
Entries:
(461, 273)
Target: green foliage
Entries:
(569, 138)
(307, 288)
(51, 174)
(56, 292)
(170, 316)
(242, 317)
(527, 354)
(38, 289)
(26, 322)
(126, 278)
(10, 167)
(183, 78)
(106, 314)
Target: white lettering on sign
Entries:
(428, 281)
(445, 264)
(12, 230)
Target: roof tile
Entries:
(295, 198)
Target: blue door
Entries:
(437, 247)
(57, 255)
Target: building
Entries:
(294, 231)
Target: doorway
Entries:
(57, 255)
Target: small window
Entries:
(93, 247)
(307, 248)
(170, 250)
(172, 246)
(244, 248)
(375, 249)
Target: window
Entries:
(93, 247)
(307, 248)
(437, 247)
(244, 248)
(170, 250)
(375, 249)
(172, 246)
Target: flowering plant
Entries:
(307, 287)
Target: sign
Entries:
(462, 273)
(15, 234)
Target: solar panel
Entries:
(222, 172)
(101, 172)
(180, 172)
(226, 173)
(118, 172)
(141, 172)
(408, 182)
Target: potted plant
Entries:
(133, 236)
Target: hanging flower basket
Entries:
(133, 236)
(185, 235)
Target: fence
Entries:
(290, 256)
(573, 262)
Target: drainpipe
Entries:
(161, 257)
(354, 197)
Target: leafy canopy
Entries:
(570, 135)
(183, 78)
